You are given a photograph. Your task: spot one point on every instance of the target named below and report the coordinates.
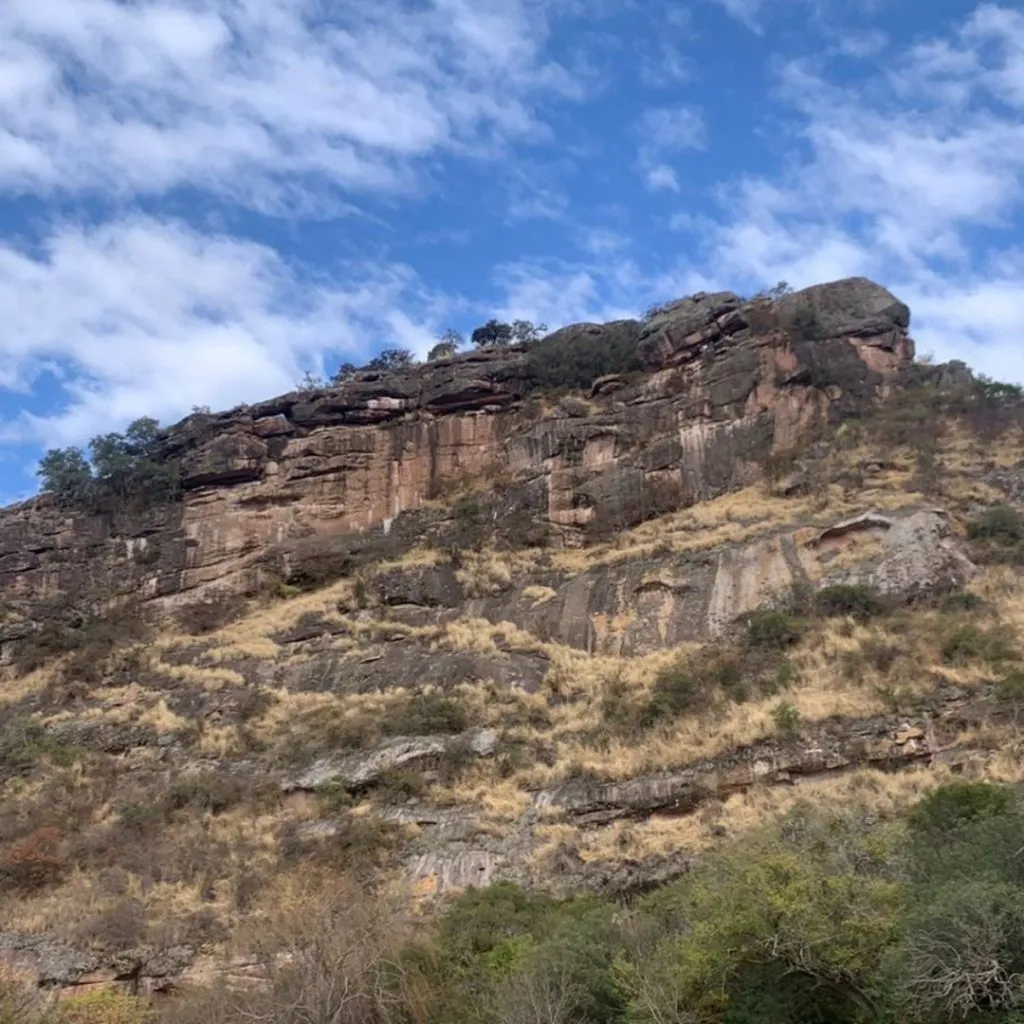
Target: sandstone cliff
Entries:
(447, 627)
(308, 476)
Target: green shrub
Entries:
(787, 718)
(105, 1006)
(206, 791)
(956, 804)
(21, 1003)
(575, 362)
(969, 643)
(399, 784)
(121, 466)
(961, 601)
(857, 600)
(1002, 523)
(24, 742)
(677, 691)
(426, 715)
(772, 630)
(140, 818)
(805, 324)
(333, 797)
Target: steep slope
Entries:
(446, 628)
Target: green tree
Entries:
(310, 382)
(492, 334)
(961, 955)
(129, 464)
(345, 372)
(524, 332)
(390, 359)
(447, 345)
(799, 915)
(66, 474)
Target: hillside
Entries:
(583, 616)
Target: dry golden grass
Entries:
(884, 793)
(834, 676)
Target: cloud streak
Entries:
(894, 178)
(262, 101)
(148, 317)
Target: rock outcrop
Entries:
(300, 476)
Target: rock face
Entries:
(726, 383)
(920, 555)
(360, 770)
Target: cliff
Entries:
(457, 625)
(304, 478)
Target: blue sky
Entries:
(202, 199)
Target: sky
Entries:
(201, 200)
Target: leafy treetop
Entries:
(127, 465)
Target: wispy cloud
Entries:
(893, 178)
(662, 132)
(144, 317)
(263, 101)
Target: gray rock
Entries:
(682, 328)
(363, 769)
(922, 557)
(852, 307)
(484, 743)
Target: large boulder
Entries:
(922, 557)
(854, 307)
(229, 458)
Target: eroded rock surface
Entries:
(304, 473)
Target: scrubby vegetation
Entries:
(123, 467)
(142, 803)
(575, 361)
(824, 914)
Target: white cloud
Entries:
(558, 292)
(663, 131)
(261, 100)
(148, 318)
(898, 178)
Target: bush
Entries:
(426, 715)
(857, 600)
(805, 325)
(390, 359)
(576, 361)
(21, 1004)
(447, 345)
(970, 643)
(1002, 524)
(677, 691)
(24, 742)
(772, 630)
(66, 474)
(35, 862)
(105, 1006)
(206, 791)
(957, 804)
(397, 785)
(123, 466)
(961, 601)
(492, 334)
(786, 718)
